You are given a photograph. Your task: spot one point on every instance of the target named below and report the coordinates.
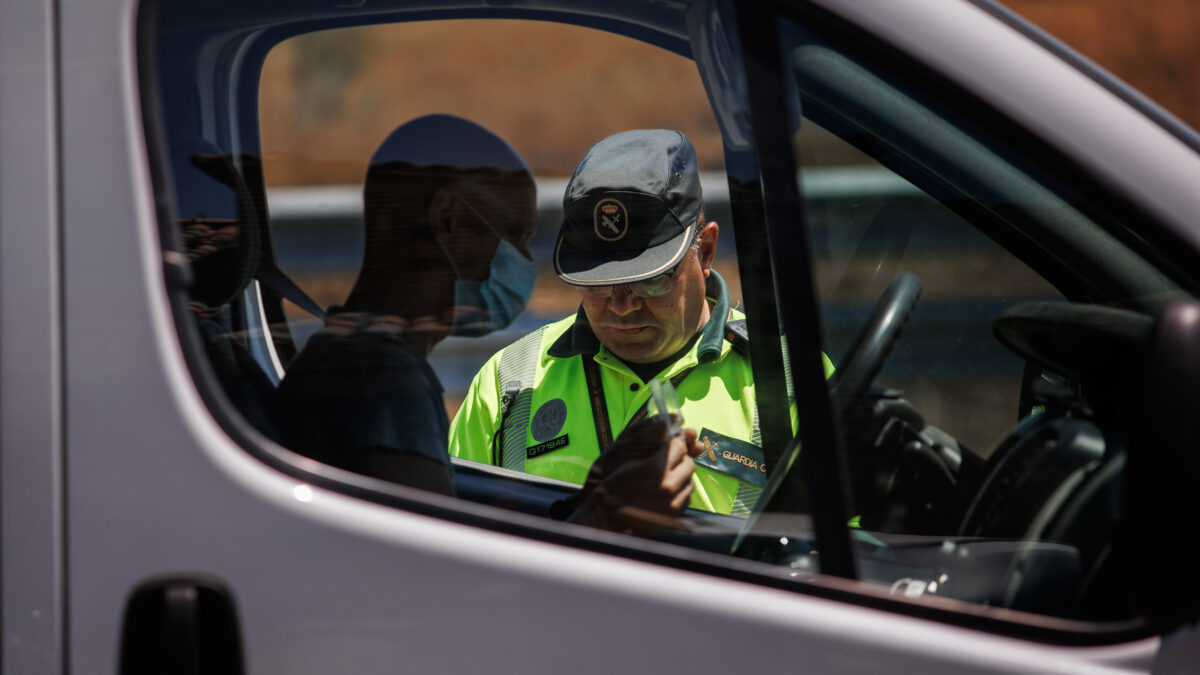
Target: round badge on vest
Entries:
(548, 420)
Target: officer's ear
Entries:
(708, 246)
(443, 214)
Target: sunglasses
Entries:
(647, 288)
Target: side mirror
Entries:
(1162, 443)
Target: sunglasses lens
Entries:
(597, 291)
(659, 285)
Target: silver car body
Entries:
(114, 472)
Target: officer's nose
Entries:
(623, 301)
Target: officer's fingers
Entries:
(692, 443)
(679, 475)
(680, 499)
(677, 451)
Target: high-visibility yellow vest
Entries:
(537, 388)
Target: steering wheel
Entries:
(864, 359)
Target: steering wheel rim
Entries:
(874, 342)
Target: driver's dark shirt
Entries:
(360, 385)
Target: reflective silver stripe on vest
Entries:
(756, 433)
(745, 500)
(747, 494)
(514, 374)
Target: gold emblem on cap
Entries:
(610, 219)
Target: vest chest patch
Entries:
(549, 446)
(548, 420)
(733, 457)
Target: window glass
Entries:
(422, 269)
(981, 454)
(868, 225)
(375, 240)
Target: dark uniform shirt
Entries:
(359, 392)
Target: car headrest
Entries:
(219, 224)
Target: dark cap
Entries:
(630, 209)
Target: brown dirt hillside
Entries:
(328, 98)
(552, 91)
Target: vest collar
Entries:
(580, 339)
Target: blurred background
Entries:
(1151, 44)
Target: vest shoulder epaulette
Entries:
(738, 336)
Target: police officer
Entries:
(635, 242)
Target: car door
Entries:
(1067, 255)
(170, 500)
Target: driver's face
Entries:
(491, 211)
(645, 330)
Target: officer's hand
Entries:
(642, 482)
(637, 441)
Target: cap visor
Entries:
(588, 268)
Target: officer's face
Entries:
(645, 330)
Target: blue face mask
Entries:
(481, 307)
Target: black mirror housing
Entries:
(1162, 467)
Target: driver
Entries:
(447, 228)
(635, 242)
